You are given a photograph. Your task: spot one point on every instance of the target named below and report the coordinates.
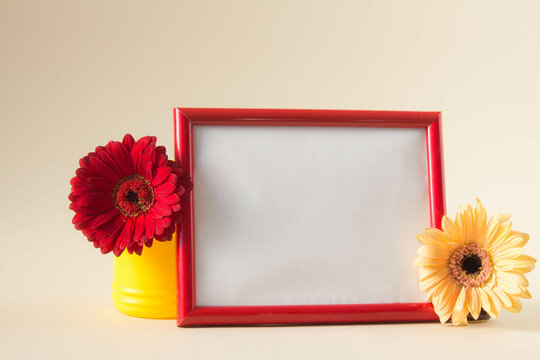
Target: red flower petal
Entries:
(149, 226)
(173, 178)
(77, 182)
(107, 242)
(149, 242)
(124, 239)
(80, 221)
(94, 164)
(147, 170)
(180, 190)
(96, 201)
(83, 173)
(107, 159)
(162, 209)
(160, 175)
(161, 157)
(103, 218)
(127, 193)
(121, 157)
(139, 229)
(142, 152)
(170, 199)
(87, 211)
(128, 141)
(78, 192)
(162, 224)
(146, 162)
(167, 234)
(164, 189)
(136, 154)
(135, 248)
(101, 184)
(176, 217)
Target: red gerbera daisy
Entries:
(126, 194)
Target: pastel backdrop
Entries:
(76, 74)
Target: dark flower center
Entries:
(471, 264)
(133, 195)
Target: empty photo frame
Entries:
(305, 216)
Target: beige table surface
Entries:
(81, 330)
(75, 74)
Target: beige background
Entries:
(76, 74)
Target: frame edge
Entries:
(191, 315)
(185, 248)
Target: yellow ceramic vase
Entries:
(145, 286)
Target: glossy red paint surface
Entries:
(189, 314)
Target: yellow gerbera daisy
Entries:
(473, 264)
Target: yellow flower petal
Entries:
(429, 272)
(480, 220)
(524, 293)
(494, 302)
(464, 222)
(524, 263)
(493, 227)
(484, 300)
(510, 253)
(461, 299)
(437, 235)
(428, 283)
(459, 317)
(437, 288)
(524, 237)
(514, 239)
(434, 252)
(502, 296)
(473, 302)
(444, 300)
(443, 317)
(524, 259)
(442, 313)
(512, 277)
(508, 287)
(504, 265)
(428, 240)
(515, 307)
(524, 269)
(423, 261)
(499, 236)
(451, 230)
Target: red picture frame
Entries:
(189, 314)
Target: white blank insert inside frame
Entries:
(308, 215)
